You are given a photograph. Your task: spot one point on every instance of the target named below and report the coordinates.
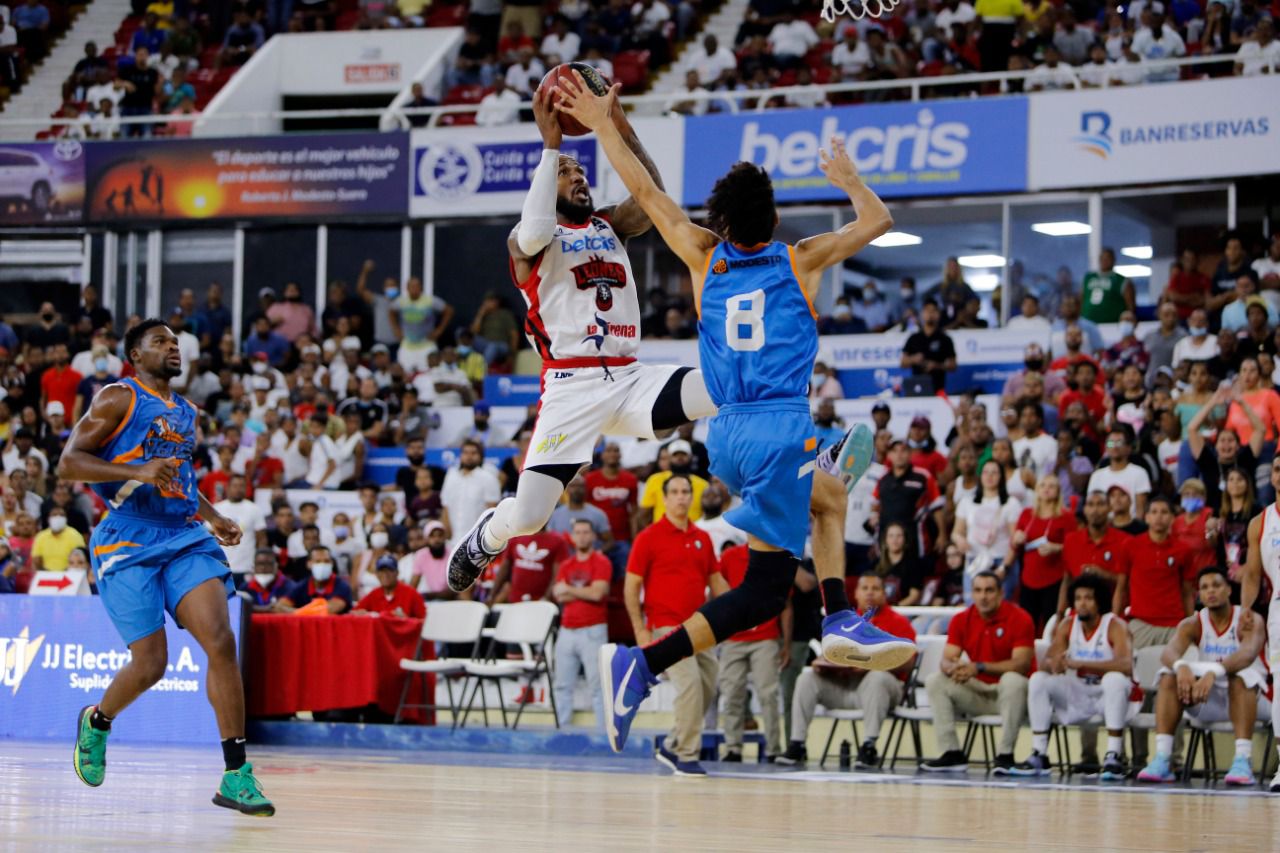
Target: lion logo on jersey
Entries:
(164, 442)
(602, 275)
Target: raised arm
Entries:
(689, 241)
(537, 224)
(628, 217)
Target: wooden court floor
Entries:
(158, 799)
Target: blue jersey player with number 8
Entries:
(757, 340)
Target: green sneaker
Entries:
(90, 759)
(242, 792)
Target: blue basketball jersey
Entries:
(757, 332)
(154, 427)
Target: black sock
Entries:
(100, 721)
(668, 651)
(233, 753)
(834, 595)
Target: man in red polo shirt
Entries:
(674, 562)
(528, 566)
(392, 597)
(1157, 581)
(999, 639)
(614, 490)
(752, 656)
(581, 589)
(849, 688)
(1096, 549)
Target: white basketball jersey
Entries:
(1269, 547)
(1094, 647)
(1217, 647)
(581, 295)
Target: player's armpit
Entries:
(109, 409)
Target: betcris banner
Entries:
(901, 150)
(59, 654)
(1187, 130)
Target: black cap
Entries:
(880, 407)
(387, 562)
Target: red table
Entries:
(321, 663)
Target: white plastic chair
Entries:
(531, 626)
(446, 622)
(914, 708)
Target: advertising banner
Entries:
(295, 176)
(1209, 128)
(901, 150)
(58, 655)
(41, 183)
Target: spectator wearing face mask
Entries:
(1198, 345)
(53, 545)
(873, 309)
(322, 583)
(267, 584)
(843, 320)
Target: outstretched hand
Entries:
(838, 166)
(544, 115)
(577, 100)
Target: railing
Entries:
(653, 103)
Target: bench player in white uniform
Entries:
(1088, 672)
(569, 261)
(1224, 684)
(1263, 557)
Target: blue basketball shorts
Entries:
(146, 566)
(765, 453)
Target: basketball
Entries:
(598, 85)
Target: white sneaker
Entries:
(1274, 787)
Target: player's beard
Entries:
(574, 212)
(169, 372)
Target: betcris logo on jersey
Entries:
(570, 243)
(901, 150)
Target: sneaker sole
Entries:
(252, 811)
(856, 455)
(1159, 780)
(484, 516)
(606, 687)
(954, 768)
(844, 652)
(666, 762)
(1239, 782)
(75, 754)
(1111, 777)
(687, 775)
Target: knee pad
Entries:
(761, 596)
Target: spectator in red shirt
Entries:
(999, 639)
(614, 490)
(1157, 583)
(1040, 538)
(849, 688)
(753, 656)
(214, 484)
(673, 562)
(1189, 526)
(1085, 374)
(59, 382)
(582, 590)
(528, 566)
(393, 597)
(1188, 288)
(924, 452)
(1095, 549)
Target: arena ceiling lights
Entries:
(1069, 228)
(894, 239)
(983, 282)
(1140, 253)
(980, 261)
(1133, 270)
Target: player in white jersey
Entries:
(1262, 558)
(1223, 684)
(1088, 672)
(570, 263)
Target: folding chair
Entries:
(914, 708)
(446, 622)
(836, 716)
(527, 624)
(986, 724)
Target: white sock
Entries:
(1115, 743)
(1244, 748)
(1164, 745)
(1040, 742)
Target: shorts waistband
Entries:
(587, 361)
(781, 404)
(153, 520)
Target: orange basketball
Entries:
(595, 82)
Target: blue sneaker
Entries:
(1157, 771)
(1112, 768)
(689, 768)
(625, 682)
(850, 640)
(666, 757)
(1241, 772)
(856, 456)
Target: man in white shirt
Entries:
(561, 44)
(22, 446)
(953, 12)
(1262, 54)
(1121, 472)
(322, 466)
(679, 103)
(648, 17)
(1030, 320)
(469, 488)
(851, 56)
(525, 75)
(712, 62)
(1053, 74)
(791, 40)
(84, 361)
(253, 527)
(1198, 345)
(1035, 453)
(308, 516)
(501, 106)
(1159, 42)
(105, 124)
(447, 379)
(1268, 267)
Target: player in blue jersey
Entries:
(152, 555)
(757, 341)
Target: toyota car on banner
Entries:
(901, 150)
(1099, 137)
(58, 655)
